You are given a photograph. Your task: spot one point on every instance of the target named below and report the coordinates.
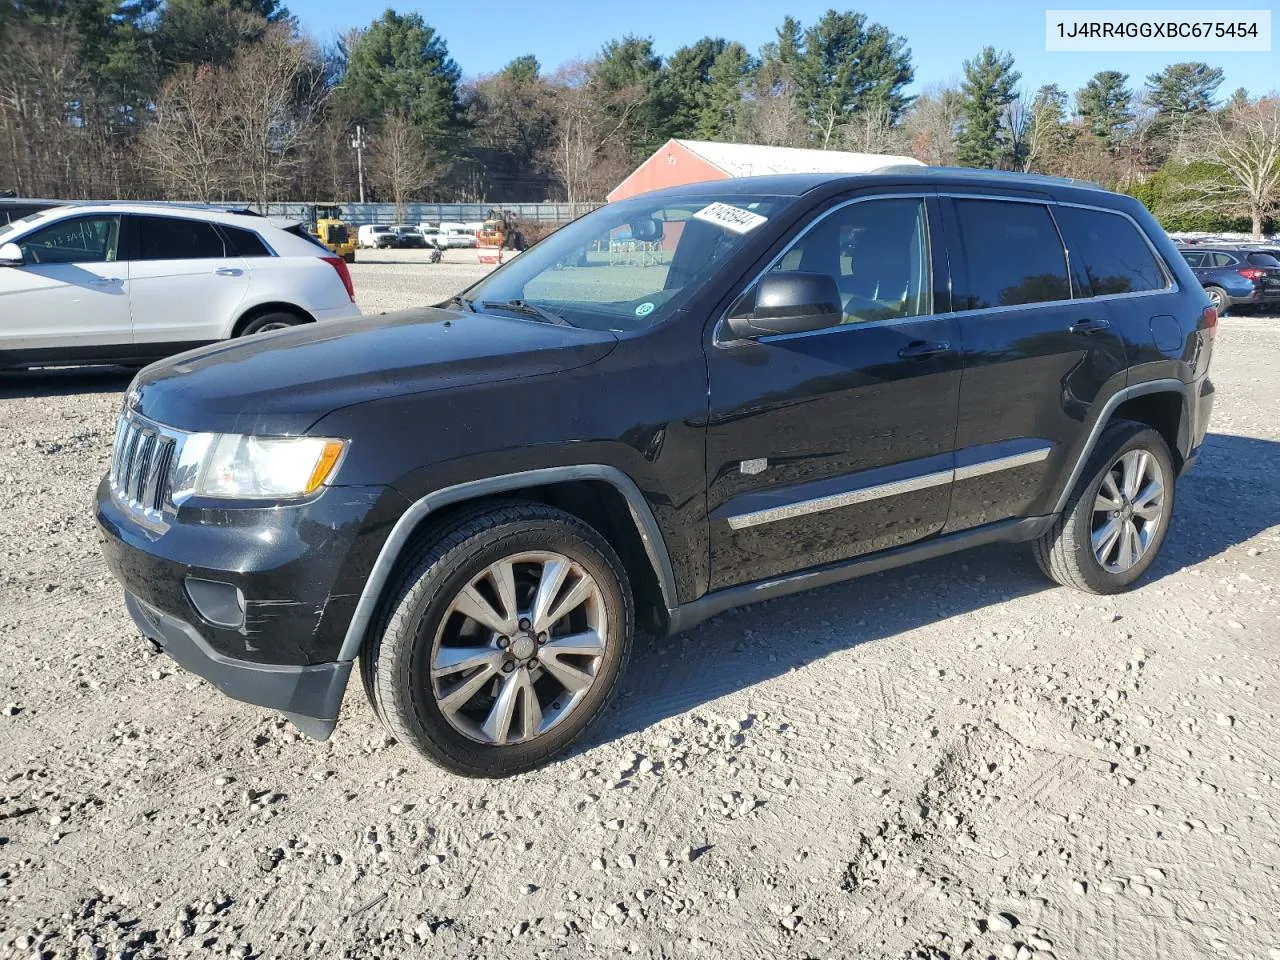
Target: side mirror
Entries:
(11, 255)
(788, 302)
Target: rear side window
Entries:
(1220, 259)
(172, 238)
(245, 243)
(1263, 260)
(1013, 254)
(1193, 259)
(1108, 254)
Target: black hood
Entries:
(282, 383)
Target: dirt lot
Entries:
(952, 760)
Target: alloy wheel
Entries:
(1128, 511)
(518, 648)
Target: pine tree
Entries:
(1106, 106)
(989, 86)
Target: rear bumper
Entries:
(1201, 408)
(309, 696)
(347, 311)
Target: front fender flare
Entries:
(647, 527)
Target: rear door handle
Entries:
(1090, 326)
(923, 349)
(229, 271)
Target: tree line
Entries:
(227, 100)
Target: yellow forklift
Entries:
(326, 224)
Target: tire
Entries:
(349, 257)
(435, 256)
(421, 621)
(1219, 299)
(277, 320)
(1066, 552)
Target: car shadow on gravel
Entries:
(64, 381)
(1231, 495)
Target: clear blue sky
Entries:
(485, 34)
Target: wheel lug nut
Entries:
(524, 624)
(542, 638)
(503, 642)
(532, 664)
(508, 666)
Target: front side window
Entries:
(877, 251)
(74, 240)
(1014, 255)
(629, 264)
(1108, 253)
(173, 238)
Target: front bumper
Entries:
(299, 569)
(309, 696)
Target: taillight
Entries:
(1251, 273)
(341, 266)
(1210, 321)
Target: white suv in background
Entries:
(131, 282)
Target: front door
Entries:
(186, 285)
(70, 298)
(826, 445)
(1034, 358)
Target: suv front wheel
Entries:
(502, 642)
(1118, 515)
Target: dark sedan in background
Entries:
(1235, 277)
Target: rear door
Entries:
(70, 298)
(186, 282)
(1034, 358)
(827, 445)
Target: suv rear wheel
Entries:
(1117, 517)
(502, 641)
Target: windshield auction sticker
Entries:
(733, 219)
(1233, 31)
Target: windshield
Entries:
(628, 265)
(16, 225)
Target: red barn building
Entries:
(696, 161)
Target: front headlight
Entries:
(234, 466)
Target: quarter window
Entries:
(1013, 253)
(1108, 253)
(172, 238)
(75, 240)
(877, 251)
(246, 242)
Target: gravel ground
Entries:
(950, 760)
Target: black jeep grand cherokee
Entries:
(800, 380)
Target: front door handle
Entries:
(106, 282)
(924, 349)
(228, 271)
(1090, 326)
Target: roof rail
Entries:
(970, 173)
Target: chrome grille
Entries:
(140, 465)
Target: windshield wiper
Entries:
(528, 309)
(462, 302)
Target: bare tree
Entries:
(873, 131)
(189, 145)
(771, 111)
(932, 124)
(399, 161)
(272, 89)
(1238, 155)
(1018, 120)
(40, 79)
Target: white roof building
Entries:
(695, 161)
